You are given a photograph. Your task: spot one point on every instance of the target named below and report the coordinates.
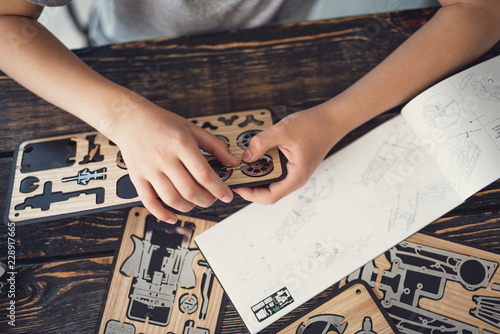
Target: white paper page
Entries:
(361, 201)
(459, 120)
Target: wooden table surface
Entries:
(63, 266)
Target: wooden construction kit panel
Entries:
(161, 283)
(81, 173)
(433, 285)
(354, 309)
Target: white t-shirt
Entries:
(118, 21)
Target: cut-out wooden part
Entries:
(354, 309)
(427, 284)
(161, 283)
(80, 173)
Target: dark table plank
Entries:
(63, 265)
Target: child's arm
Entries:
(161, 149)
(457, 34)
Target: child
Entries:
(173, 169)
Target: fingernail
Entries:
(226, 199)
(172, 221)
(246, 155)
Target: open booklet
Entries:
(362, 200)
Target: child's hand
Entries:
(162, 153)
(304, 138)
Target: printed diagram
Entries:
(482, 94)
(464, 156)
(400, 148)
(484, 89)
(402, 207)
(327, 250)
(396, 159)
(419, 272)
(441, 111)
(304, 208)
(272, 304)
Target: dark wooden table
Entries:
(63, 266)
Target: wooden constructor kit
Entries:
(82, 173)
(433, 285)
(161, 283)
(354, 309)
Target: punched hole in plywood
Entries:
(209, 126)
(229, 121)
(250, 119)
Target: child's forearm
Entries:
(32, 56)
(455, 36)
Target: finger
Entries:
(205, 176)
(268, 195)
(150, 200)
(170, 195)
(215, 146)
(260, 144)
(186, 183)
(275, 191)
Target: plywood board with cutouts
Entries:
(354, 309)
(161, 283)
(84, 172)
(429, 284)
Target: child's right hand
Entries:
(162, 153)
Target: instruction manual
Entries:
(362, 200)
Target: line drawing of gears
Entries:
(244, 138)
(220, 137)
(119, 160)
(222, 171)
(188, 303)
(261, 167)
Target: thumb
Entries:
(260, 144)
(218, 148)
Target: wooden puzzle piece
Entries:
(113, 327)
(159, 262)
(353, 309)
(62, 169)
(323, 323)
(85, 175)
(161, 283)
(442, 287)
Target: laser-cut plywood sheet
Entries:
(161, 283)
(354, 309)
(433, 285)
(81, 173)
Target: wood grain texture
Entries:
(354, 304)
(285, 68)
(454, 299)
(118, 298)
